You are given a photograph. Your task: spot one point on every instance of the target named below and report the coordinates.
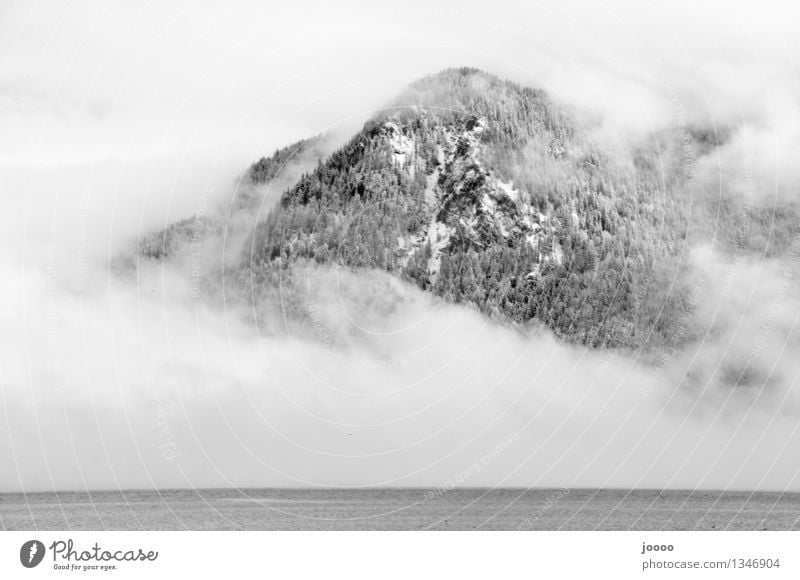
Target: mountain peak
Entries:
(470, 91)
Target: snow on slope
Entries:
(465, 200)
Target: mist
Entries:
(143, 385)
(132, 379)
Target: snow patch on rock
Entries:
(439, 237)
(467, 202)
(402, 145)
(510, 191)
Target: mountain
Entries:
(491, 194)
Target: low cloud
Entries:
(129, 385)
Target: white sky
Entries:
(93, 79)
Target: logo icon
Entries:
(31, 553)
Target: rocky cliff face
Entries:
(469, 207)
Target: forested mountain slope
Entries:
(487, 193)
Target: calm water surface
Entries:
(400, 509)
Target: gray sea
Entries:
(400, 509)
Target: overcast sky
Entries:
(93, 79)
